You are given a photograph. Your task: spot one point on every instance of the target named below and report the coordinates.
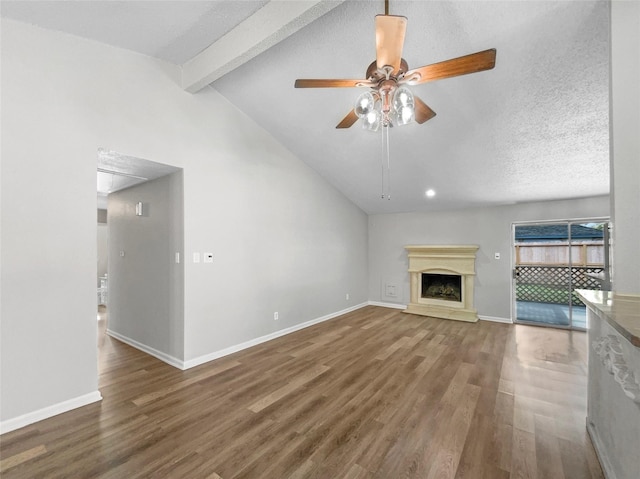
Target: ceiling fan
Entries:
(388, 102)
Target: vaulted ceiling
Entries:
(533, 128)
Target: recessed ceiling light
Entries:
(430, 193)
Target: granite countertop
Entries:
(621, 311)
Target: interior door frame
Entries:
(568, 222)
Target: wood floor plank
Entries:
(481, 456)
(452, 440)
(288, 388)
(159, 393)
(549, 462)
(16, 459)
(523, 456)
(375, 393)
(303, 471)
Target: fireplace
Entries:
(442, 281)
(441, 286)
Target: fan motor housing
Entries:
(375, 74)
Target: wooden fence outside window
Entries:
(543, 274)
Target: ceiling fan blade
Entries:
(390, 30)
(423, 112)
(348, 120)
(476, 62)
(330, 83)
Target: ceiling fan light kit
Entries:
(390, 107)
(388, 102)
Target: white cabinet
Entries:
(613, 403)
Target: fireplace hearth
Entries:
(442, 281)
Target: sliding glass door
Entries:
(552, 260)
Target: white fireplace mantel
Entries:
(443, 259)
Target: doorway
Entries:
(551, 260)
(140, 296)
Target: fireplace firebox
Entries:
(447, 287)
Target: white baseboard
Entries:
(597, 445)
(49, 411)
(167, 358)
(387, 305)
(262, 339)
(495, 319)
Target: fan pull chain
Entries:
(386, 168)
(382, 166)
(388, 164)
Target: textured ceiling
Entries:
(117, 172)
(172, 30)
(534, 128)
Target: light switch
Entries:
(122, 254)
(497, 256)
(177, 257)
(208, 257)
(196, 257)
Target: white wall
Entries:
(48, 346)
(146, 300)
(490, 228)
(625, 144)
(283, 239)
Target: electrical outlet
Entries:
(275, 316)
(347, 298)
(196, 257)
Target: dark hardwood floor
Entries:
(373, 394)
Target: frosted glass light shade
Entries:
(402, 97)
(364, 104)
(403, 106)
(404, 115)
(371, 121)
